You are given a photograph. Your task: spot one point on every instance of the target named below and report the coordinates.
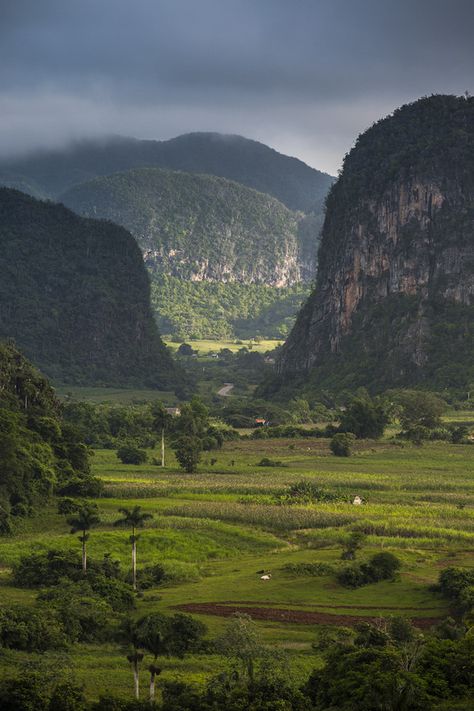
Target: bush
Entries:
(84, 615)
(307, 492)
(129, 454)
(68, 506)
(85, 486)
(457, 585)
(364, 417)
(149, 577)
(341, 444)
(459, 434)
(30, 630)
(188, 452)
(381, 566)
(308, 569)
(266, 462)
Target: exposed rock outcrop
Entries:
(396, 262)
(204, 228)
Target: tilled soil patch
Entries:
(293, 616)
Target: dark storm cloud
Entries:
(303, 75)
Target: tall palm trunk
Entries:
(153, 672)
(84, 553)
(135, 658)
(136, 680)
(162, 446)
(134, 559)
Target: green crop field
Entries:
(203, 347)
(113, 396)
(216, 531)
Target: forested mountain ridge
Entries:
(395, 288)
(200, 227)
(225, 260)
(74, 295)
(264, 302)
(248, 162)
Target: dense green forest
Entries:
(291, 181)
(199, 226)
(203, 309)
(74, 294)
(225, 261)
(39, 453)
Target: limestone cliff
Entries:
(203, 228)
(394, 301)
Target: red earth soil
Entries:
(294, 616)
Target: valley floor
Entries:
(217, 530)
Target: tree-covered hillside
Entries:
(248, 224)
(204, 309)
(199, 227)
(74, 295)
(39, 454)
(224, 260)
(248, 162)
(394, 304)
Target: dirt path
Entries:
(226, 389)
(293, 616)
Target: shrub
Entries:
(84, 486)
(308, 569)
(457, 585)
(129, 454)
(266, 462)
(84, 615)
(30, 630)
(68, 506)
(364, 417)
(352, 544)
(188, 452)
(306, 491)
(341, 444)
(149, 577)
(381, 566)
(459, 434)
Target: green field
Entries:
(207, 346)
(214, 530)
(113, 396)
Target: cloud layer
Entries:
(305, 77)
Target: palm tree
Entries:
(85, 519)
(135, 657)
(151, 633)
(161, 421)
(135, 518)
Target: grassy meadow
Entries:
(216, 530)
(204, 347)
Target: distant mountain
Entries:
(249, 162)
(198, 232)
(394, 300)
(200, 227)
(74, 295)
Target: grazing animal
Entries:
(265, 577)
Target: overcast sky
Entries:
(304, 76)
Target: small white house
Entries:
(357, 501)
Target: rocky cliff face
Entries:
(397, 252)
